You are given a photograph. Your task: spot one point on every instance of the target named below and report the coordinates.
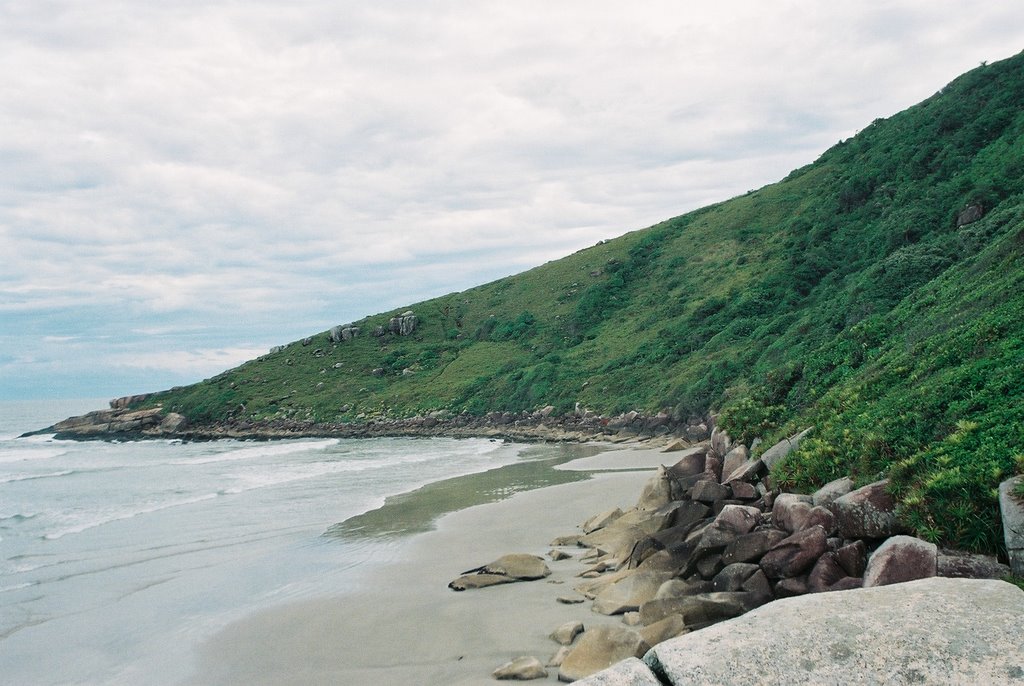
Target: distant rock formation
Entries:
(404, 324)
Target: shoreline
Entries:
(403, 625)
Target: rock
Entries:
(795, 555)
(934, 631)
(173, 422)
(599, 521)
(571, 539)
(713, 468)
(969, 215)
(790, 510)
(631, 618)
(710, 565)
(657, 492)
(868, 512)
(708, 491)
(676, 588)
(598, 649)
(1011, 508)
(748, 471)
(791, 587)
(670, 627)
(569, 599)
(847, 583)
(853, 558)
(731, 523)
(720, 442)
(963, 565)
(734, 459)
(629, 672)
(473, 581)
(521, 669)
(820, 516)
(629, 593)
(732, 577)
(774, 455)
(751, 547)
(518, 566)
(558, 555)
(826, 572)
(403, 324)
(559, 656)
(342, 333)
(567, 633)
(676, 446)
(699, 610)
(759, 585)
(899, 559)
(743, 490)
(827, 494)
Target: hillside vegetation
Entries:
(876, 294)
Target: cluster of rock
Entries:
(400, 325)
(342, 333)
(119, 423)
(710, 540)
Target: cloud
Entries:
(229, 172)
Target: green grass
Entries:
(845, 297)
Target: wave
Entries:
(110, 517)
(18, 517)
(11, 478)
(26, 454)
(268, 450)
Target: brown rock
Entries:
(521, 669)
(899, 559)
(667, 628)
(751, 547)
(853, 558)
(748, 471)
(699, 610)
(794, 555)
(820, 516)
(827, 494)
(868, 512)
(735, 458)
(473, 581)
(743, 490)
(790, 510)
(759, 585)
(847, 583)
(731, 523)
(793, 586)
(959, 564)
(825, 573)
(567, 633)
(732, 577)
(708, 491)
(629, 593)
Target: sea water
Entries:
(118, 558)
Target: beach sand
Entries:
(406, 627)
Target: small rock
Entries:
(569, 600)
(558, 555)
(567, 633)
(521, 669)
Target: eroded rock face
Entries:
(931, 631)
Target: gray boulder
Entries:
(1012, 510)
(790, 510)
(899, 559)
(751, 547)
(731, 523)
(827, 494)
(628, 672)
(733, 460)
(934, 631)
(795, 555)
(774, 455)
(960, 564)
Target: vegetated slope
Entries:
(855, 295)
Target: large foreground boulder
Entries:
(928, 631)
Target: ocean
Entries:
(117, 559)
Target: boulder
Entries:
(933, 631)
(521, 669)
(899, 559)
(960, 564)
(518, 566)
(853, 558)
(868, 512)
(790, 510)
(601, 520)
(734, 459)
(173, 422)
(795, 555)
(699, 610)
(731, 523)
(403, 324)
(567, 633)
(558, 555)
(774, 455)
(826, 572)
(820, 516)
(751, 547)
(657, 492)
(628, 672)
(743, 490)
(630, 592)
(670, 627)
(720, 442)
(732, 577)
(708, 491)
(969, 215)
(748, 471)
(473, 581)
(691, 462)
(600, 648)
(827, 494)
(1011, 508)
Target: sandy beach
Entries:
(406, 627)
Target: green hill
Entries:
(876, 294)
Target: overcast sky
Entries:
(185, 183)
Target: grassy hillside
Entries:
(855, 295)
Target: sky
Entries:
(185, 183)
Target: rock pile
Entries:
(710, 540)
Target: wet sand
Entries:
(404, 626)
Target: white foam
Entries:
(26, 454)
(117, 516)
(11, 478)
(268, 450)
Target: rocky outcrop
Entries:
(342, 333)
(929, 631)
(119, 423)
(403, 324)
